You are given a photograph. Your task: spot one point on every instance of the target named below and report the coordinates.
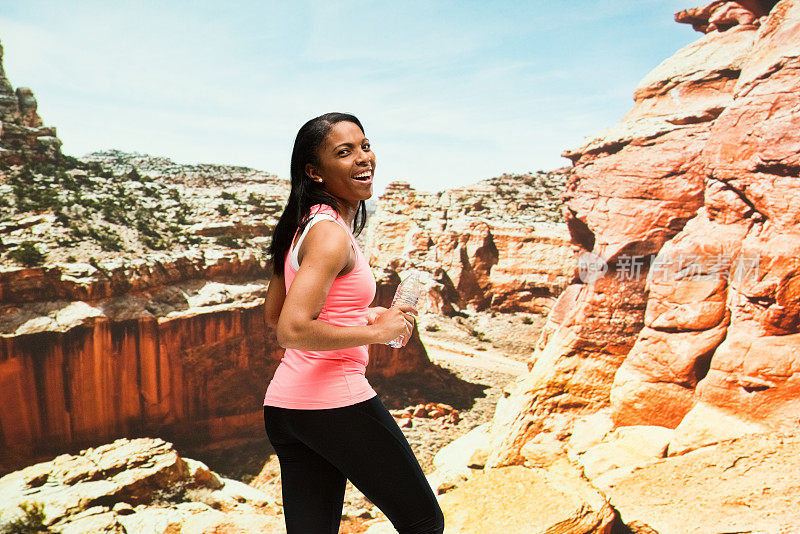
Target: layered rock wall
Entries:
(177, 348)
(23, 136)
(498, 244)
(181, 351)
(689, 205)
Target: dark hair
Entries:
(306, 192)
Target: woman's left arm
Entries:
(273, 302)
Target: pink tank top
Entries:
(307, 379)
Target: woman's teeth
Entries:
(363, 175)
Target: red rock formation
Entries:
(724, 14)
(173, 354)
(697, 180)
(493, 244)
(23, 137)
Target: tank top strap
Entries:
(319, 212)
(324, 209)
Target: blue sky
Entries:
(449, 92)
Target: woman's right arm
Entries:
(327, 252)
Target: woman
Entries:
(322, 417)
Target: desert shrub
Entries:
(113, 212)
(228, 196)
(134, 175)
(477, 334)
(27, 254)
(223, 209)
(77, 231)
(31, 522)
(151, 191)
(229, 241)
(527, 320)
(180, 218)
(69, 162)
(107, 238)
(432, 327)
(153, 242)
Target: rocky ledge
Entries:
(131, 485)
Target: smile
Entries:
(366, 175)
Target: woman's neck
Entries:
(347, 211)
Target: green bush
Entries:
(527, 320)
(432, 328)
(480, 336)
(27, 254)
(107, 238)
(62, 218)
(154, 243)
(229, 241)
(134, 175)
(31, 522)
(180, 218)
(68, 162)
(77, 231)
(223, 210)
(228, 196)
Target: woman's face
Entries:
(346, 164)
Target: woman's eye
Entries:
(344, 152)
(366, 147)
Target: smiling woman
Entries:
(321, 415)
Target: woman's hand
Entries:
(410, 314)
(391, 324)
(396, 322)
(374, 313)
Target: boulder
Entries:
(744, 485)
(518, 499)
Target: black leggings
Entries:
(319, 450)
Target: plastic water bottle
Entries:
(407, 294)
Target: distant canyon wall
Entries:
(498, 244)
(175, 348)
(691, 201)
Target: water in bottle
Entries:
(407, 294)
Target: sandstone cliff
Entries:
(690, 204)
(498, 244)
(23, 135)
